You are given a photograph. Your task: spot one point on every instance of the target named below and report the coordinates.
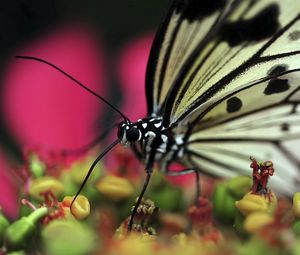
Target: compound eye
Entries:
(132, 134)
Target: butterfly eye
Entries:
(132, 134)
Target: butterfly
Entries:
(222, 83)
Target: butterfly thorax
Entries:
(151, 141)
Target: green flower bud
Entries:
(70, 187)
(239, 224)
(36, 166)
(296, 228)
(62, 237)
(4, 223)
(223, 204)
(239, 185)
(165, 198)
(18, 234)
(80, 168)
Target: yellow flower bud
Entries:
(296, 204)
(80, 208)
(115, 187)
(257, 203)
(45, 183)
(255, 221)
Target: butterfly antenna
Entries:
(92, 168)
(77, 82)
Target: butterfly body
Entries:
(151, 142)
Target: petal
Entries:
(42, 106)
(132, 70)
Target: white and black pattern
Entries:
(234, 90)
(151, 141)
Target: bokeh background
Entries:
(104, 44)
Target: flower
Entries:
(43, 107)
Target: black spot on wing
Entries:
(234, 104)
(285, 127)
(259, 27)
(276, 70)
(294, 36)
(276, 86)
(197, 9)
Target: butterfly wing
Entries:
(217, 71)
(267, 130)
(202, 48)
(185, 27)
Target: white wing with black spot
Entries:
(227, 158)
(226, 75)
(265, 125)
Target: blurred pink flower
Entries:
(8, 190)
(43, 107)
(132, 70)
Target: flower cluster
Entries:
(53, 221)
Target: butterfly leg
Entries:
(185, 171)
(138, 202)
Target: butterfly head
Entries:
(128, 133)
